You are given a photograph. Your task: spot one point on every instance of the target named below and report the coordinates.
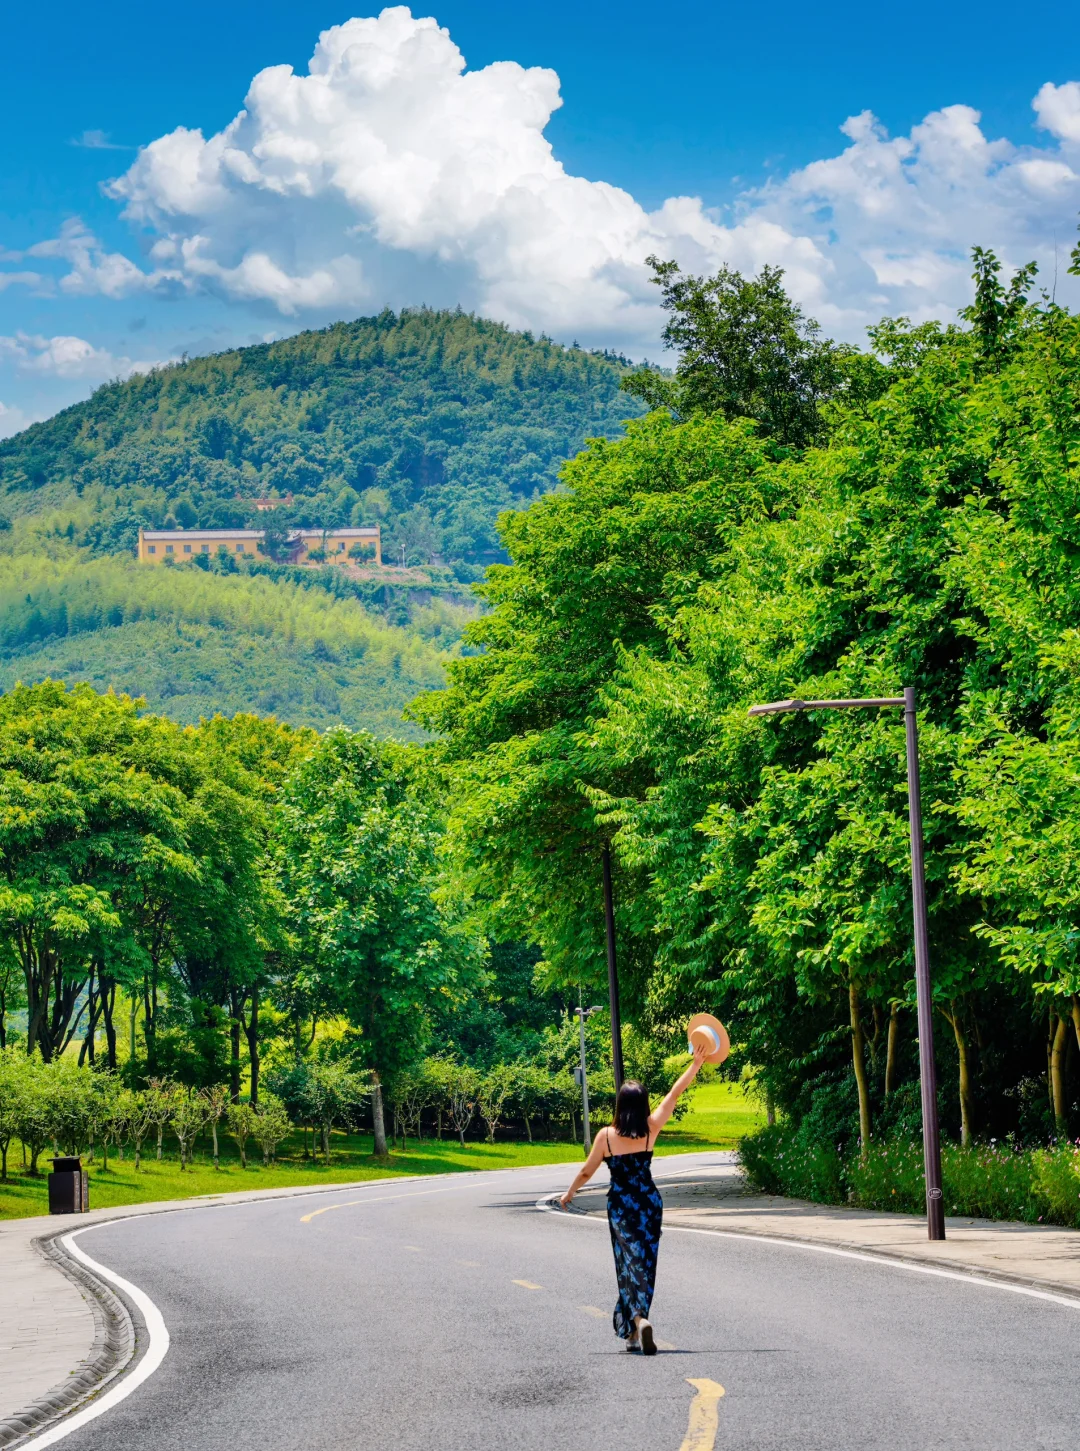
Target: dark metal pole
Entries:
(612, 973)
(586, 1137)
(935, 1208)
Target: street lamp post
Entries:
(612, 972)
(935, 1208)
(581, 1074)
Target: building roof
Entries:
(156, 535)
(338, 533)
(172, 534)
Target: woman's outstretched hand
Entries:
(565, 1200)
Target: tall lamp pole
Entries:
(612, 973)
(582, 1076)
(935, 1208)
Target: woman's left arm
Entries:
(587, 1170)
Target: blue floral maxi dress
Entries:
(635, 1211)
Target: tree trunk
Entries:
(160, 1136)
(858, 1059)
(326, 1143)
(890, 1051)
(770, 1108)
(86, 1052)
(378, 1122)
(954, 1021)
(234, 1050)
(251, 1028)
(528, 1128)
(213, 1130)
(1057, 1078)
(107, 989)
(1076, 1018)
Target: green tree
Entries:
(356, 835)
(746, 350)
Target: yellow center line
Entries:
(527, 1284)
(595, 1312)
(704, 1416)
(380, 1199)
(415, 1249)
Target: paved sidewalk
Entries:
(1040, 1256)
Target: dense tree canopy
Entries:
(763, 865)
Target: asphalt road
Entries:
(450, 1315)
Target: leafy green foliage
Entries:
(746, 350)
(762, 866)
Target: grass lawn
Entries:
(719, 1116)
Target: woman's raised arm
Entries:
(666, 1107)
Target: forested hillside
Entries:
(431, 423)
(428, 423)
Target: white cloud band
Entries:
(389, 168)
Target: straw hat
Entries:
(708, 1032)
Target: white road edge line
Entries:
(547, 1205)
(155, 1353)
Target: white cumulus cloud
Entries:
(13, 420)
(389, 172)
(67, 357)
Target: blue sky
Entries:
(704, 131)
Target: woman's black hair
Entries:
(632, 1111)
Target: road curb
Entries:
(113, 1349)
(973, 1272)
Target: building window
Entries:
(205, 548)
(168, 549)
(187, 548)
(151, 549)
(341, 549)
(239, 549)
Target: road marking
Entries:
(415, 1249)
(527, 1285)
(704, 1416)
(595, 1312)
(549, 1203)
(155, 1354)
(664, 1345)
(473, 1264)
(382, 1199)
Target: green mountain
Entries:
(429, 423)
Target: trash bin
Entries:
(69, 1190)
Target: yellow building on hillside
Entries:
(305, 546)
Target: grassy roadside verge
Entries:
(718, 1119)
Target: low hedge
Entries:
(987, 1181)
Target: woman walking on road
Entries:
(635, 1208)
